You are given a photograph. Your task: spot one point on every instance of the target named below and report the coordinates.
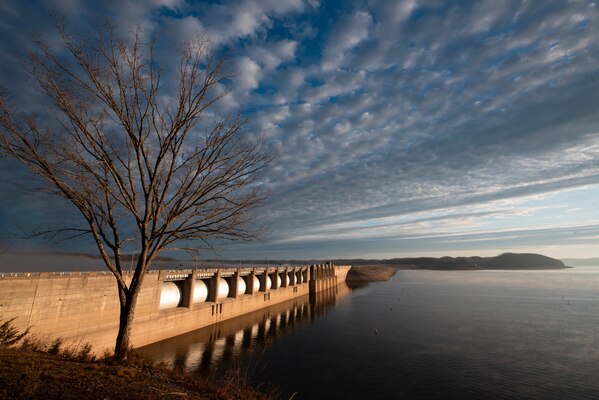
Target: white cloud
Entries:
(248, 73)
(229, 21)
(486, 15)
(393, 11)
(385, 109)
(347, 33)
(271, 55)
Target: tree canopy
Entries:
(143, 158)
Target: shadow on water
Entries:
(355, 285)
(240, 342)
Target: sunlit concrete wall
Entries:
(84, 306)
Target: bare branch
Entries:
(140, 164)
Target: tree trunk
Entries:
(127, 311)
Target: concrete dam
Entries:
(83, 306)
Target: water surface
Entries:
(422, 335)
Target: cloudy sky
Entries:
(402, 128)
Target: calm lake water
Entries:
(441, 335)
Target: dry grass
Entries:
(34, 370)
(29, 374)
(9, 335)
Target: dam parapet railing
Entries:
(83, 306)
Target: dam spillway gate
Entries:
(83, 306)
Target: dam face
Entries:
(83, 306)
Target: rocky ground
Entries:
(371, 273)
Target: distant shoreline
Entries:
(382, 272)
(78, 262)
(541, 268)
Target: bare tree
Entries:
(139, 163)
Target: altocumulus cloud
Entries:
(400, 127)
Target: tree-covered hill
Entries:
(503, 261)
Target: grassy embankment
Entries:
(34, 371)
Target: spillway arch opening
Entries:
(200, 290)
(223, 289)
(241, 285)
(171, 295)
(255, 284)
(252, 284)
(272, 279)
(263, 287)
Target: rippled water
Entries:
(441, 335)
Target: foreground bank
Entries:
(29, 374)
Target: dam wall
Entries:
(83, 306)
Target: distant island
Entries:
(382, 270)
(504, 261)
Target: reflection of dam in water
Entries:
(240, 340)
